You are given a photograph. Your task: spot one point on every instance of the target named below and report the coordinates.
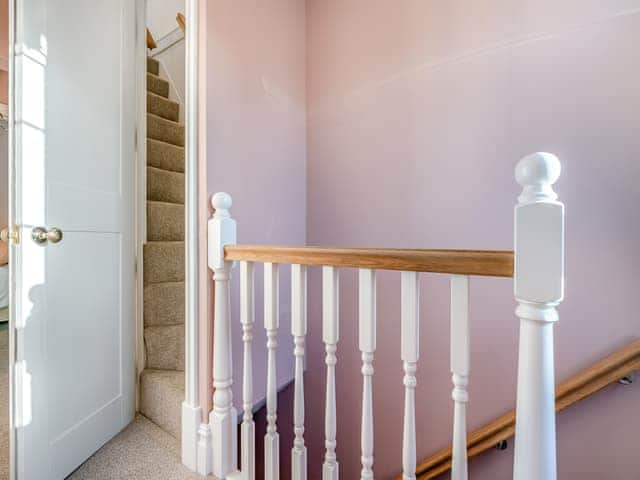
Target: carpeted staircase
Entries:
(162, 381)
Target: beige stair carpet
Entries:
(142, 451)
(162, 381)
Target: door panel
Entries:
(74, 131)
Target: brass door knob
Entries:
(42, 236)
(10, 235)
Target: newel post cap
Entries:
(537, 173)
(221, 230)
(222, 203)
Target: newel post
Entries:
(538, 288)
(221, 232)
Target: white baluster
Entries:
(460, 371)
(221, 232)
(330, 336)
(410, 319)
(271, 323)
(299, 331)
(538, 287)
(367, 343)
(248, 458)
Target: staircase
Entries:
(162, 381)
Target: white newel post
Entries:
(221, 232)
(538, 287)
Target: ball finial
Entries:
(221, 201)
(538, 169)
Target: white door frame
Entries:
(194, 432)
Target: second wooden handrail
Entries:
(459, 262)
(607, 371)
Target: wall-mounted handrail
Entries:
(458, 262)
(151, 42)
(609, 370)
(182, 22)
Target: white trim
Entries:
(191, 405)
(140, 183)
(168, 41)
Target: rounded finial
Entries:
(221, 201)
(538, 169)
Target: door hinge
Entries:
(22, 416)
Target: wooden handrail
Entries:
(151, 42)
(460, 262)
(607, 371)
(182, 22)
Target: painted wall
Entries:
(161, 16)
(417, 114)
(4, 96)
(256, 144)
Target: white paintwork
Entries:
(161, 15)
(299, 332)
(222, 231)
(271, 324)
(367, 344)
(141, 184)
(460, 340)
(74, 168)
(193, 436)
(410, 343)
(538, 287)
(248, 439)
(330, 337)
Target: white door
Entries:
(74, 150)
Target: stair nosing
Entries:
(166, 120)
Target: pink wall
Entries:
(256, 147)
(417, 114)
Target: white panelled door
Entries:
(74, 146)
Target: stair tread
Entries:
(165, 185)
(168, 131)
(165, 347)
(165, 156)
(153, 66)
(162, 107)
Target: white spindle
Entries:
(330, 336)
(538, 287)
(460, 371)
(271, 323)
(410, 319)
(367, 343)
(299, 331)
(222, 231)
(247, 319)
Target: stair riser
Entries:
(163, 262)
(164, 304)
(153, 66)
(165, 222)
(165, 156)
(165, 347)
(157, 85)
(162, 107)
(165, 130)
(161, 403)
(164, 186)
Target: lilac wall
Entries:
(417, 114)
(256, 148)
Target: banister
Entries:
(151, 42)
(461, 262)
(611, 369)
(182, 22)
